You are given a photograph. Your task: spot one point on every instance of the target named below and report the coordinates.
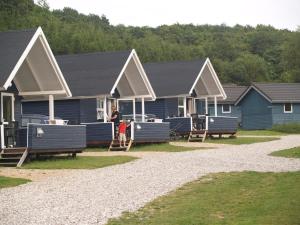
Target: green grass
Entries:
(289, 128)
(80, 162)
(289, 153)
(11, 182)
(259, 133)
(240, 140)
(163, 147)
(247, 198)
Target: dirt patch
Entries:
(33, 174)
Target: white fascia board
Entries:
(21, 59)
(54, 63)
(198, 77)
(143, 74)
(32, 93)
(121, 74)
(216, 78)
(246, 92)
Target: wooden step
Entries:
(8, 164)
(118, 148)
(14, 150)
(10, 159)
(9, 155)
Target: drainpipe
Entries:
(51, 107)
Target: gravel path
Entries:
(94, 196)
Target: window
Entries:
(226, 108)
(181, 106)
(100, 109)
(288, 108)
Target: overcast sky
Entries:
(278, 13)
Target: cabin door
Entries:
(8, 136)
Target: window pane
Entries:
(180, 101)
(288, 107)
(180, 111)
(226, 108)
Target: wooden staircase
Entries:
(115, 145)
(197, 136)
(13, 157)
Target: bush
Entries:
(290, 128)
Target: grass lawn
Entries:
(259, 133)
(163, 147)
(11, 182)
(80, 162)
(240, 140)
(289, 153)
(247, 198)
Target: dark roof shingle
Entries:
(92, 74)
(12, 46)
(173, 78)
(280, 92)
(233, 93)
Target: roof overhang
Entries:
(247, 91)
(37, 74)
(132, 81)
(207, 83)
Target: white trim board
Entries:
(38, 35)
(214, 75)
(246, 92)
(133, 55)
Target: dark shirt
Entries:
(117, 119)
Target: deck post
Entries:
(216, 106)
(133, 108)
(184, 105)
(51, 107)
(206, 106)
(143, 109)
(105, 110)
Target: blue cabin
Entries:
(29, 71)
(266, 104)
(227, 107)
(183, 90)
(99, 81)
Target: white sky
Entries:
(278, 13)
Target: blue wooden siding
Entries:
(88, 113)
(65, 109)
(151, 132)
(256, 111)
(56, 137)
(279, 117)
(235, 111)
(180, 124)
(98, 133)
(171, 107)
(162, 108)
(222, 124)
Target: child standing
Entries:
(122, 133)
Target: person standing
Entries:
(115, 118)
(122, 133)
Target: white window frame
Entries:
(284, 108)
(13, 105)
(181, 106)
(229, 111)
(100, 109)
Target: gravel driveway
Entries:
(94, 196)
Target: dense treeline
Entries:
(240, 54)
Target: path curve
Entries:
(94, 196)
